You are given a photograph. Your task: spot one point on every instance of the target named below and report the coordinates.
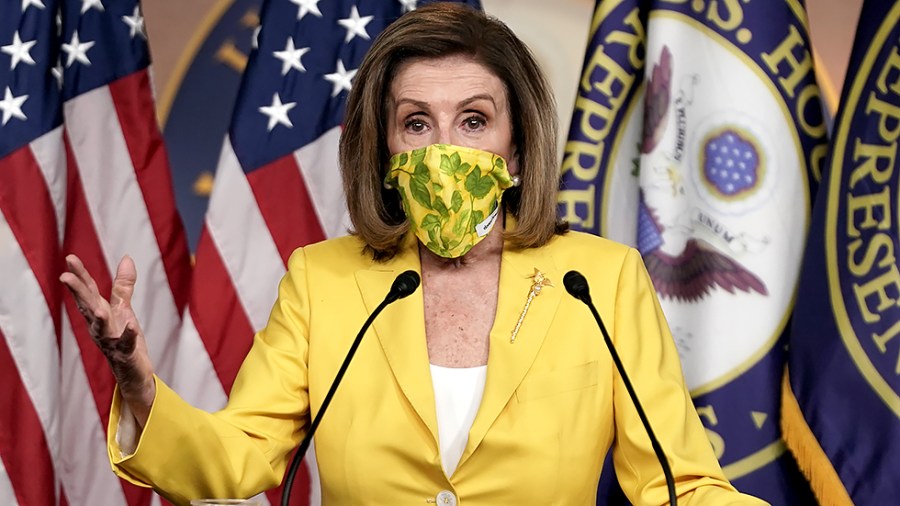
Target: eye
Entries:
(415, 125)
(474, 122)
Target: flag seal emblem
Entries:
(861, 231)
(731, 163)
(733, 159)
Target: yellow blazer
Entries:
(552, 406)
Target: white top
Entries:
(457, 395)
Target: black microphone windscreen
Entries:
(576, 285)
(405, 284)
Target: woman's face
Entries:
(451, 100)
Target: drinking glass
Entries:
(224, 502)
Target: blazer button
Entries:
(446, 498)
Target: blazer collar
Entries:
(509, 362)
(401, 332)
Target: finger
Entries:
(84, 298)
(76, 267)
(123, 285)
(87, 298)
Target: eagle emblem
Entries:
(693, 273)
(657, 98)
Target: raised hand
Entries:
(116, 331)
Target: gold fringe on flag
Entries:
(811, 458)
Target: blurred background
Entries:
(199, 49)
(762, 307)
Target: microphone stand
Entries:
(578, 288)
(401, 288)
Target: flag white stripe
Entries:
(237, 228)
(50, 156)
(318, 162)
(194, 377)
(84, 469)
(262, 499)
(315, 484)
(120, 215)
(26, 322)
(7, 495)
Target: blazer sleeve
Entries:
(648, 353)
(186, 453)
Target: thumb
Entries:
(123, 284)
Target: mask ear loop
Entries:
(384, 183)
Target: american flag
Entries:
(277, 185)
(82, 170)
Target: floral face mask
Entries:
(450, 194)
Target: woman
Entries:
(490, 385)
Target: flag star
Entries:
(305, 7)
(136, 23)
(291, 57)
(278, 112)
(12, 106)
(88, 4)
(59, 26)
(77, 50)
(341, 79)
(408, 5)
(19, 51)
(355, 24)
(37, 3)
(254, 42)
(57, 72)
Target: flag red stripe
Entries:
(134, 107)
(28, 207)
(81, 239)
(23, 445)
(284, 202)
(217, 313)
(301, 490)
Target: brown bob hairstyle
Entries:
(436, 31)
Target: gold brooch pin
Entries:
(540, 281)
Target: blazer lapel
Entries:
(401, 332)
(508, 362)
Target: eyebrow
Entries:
(475, 98)
(418, 103)
(463, 103)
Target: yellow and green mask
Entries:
(451, 194)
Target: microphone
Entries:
(577, 286)
(404, 284)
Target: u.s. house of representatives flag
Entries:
(277, 185)
(82, 170)
(697, 136)
(842, 401)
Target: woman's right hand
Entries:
(116, 331)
